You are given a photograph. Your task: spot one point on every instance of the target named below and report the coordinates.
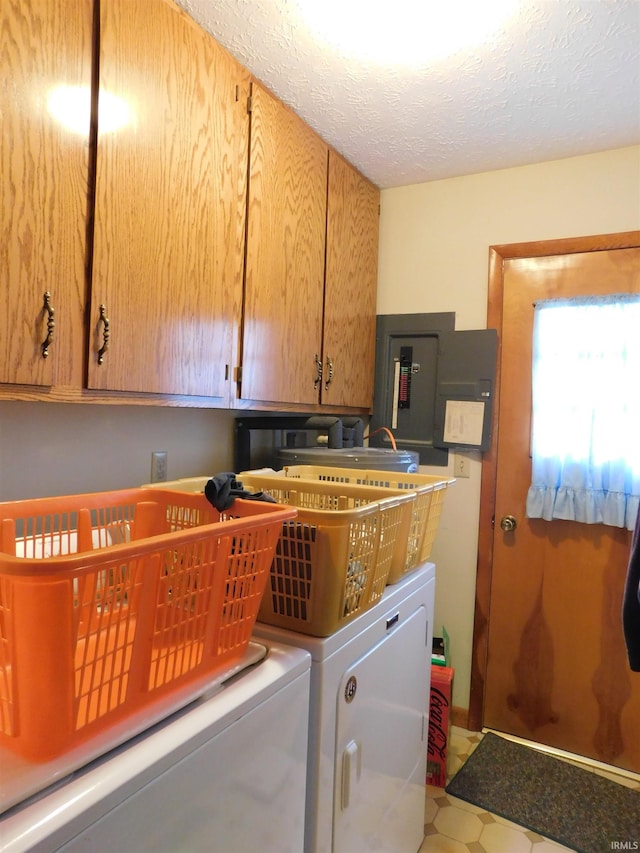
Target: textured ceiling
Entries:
(559, 78)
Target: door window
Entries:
(586, 410)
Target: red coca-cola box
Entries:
(439, 712)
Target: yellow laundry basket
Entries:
(430, 491)
(333, 560)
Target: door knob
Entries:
(508, 523)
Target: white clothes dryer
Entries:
(368, 728)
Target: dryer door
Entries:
(381, 743)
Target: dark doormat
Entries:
(575, 807)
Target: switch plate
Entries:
(159, 460)
(461, 465)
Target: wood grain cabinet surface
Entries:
(45, 175)
(282, 323)
(169, 205)
(351, 282)
(311, 268)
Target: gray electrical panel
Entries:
(434, 386)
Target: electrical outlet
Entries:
(461, 465)
(159, 459)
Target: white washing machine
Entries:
(369, 723)
(227, 773)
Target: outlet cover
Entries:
(159, 459)
(461, 465)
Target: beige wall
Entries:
(57, 448)
(434, 241)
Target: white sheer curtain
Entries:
(586, 410)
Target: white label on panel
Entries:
(463, 421)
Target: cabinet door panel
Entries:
(170, 204)
(350, 290)
(45, 125)
(285, 255)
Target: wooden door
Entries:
(286, 226)
(557, 670)
(45, 108)
(350, 287)
(170, 204)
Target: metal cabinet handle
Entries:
(105, 334)
(51, 324)
(318, 378)
(330, 372)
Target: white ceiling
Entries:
(560, 78)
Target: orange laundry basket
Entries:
(112, 601)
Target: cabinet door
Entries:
(44, 104)
(282, 331)
(169, 204)
(351, 285)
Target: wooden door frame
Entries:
(497, 255)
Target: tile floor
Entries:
(454, 826)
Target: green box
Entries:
(440, 650)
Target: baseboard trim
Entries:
(459, 717)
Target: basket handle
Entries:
(8, 537)
(148, 520)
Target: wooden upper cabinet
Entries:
(350, 287)
(309, 332)
(170, 202)
(134, 213)
(45, 109)
(282, 332)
